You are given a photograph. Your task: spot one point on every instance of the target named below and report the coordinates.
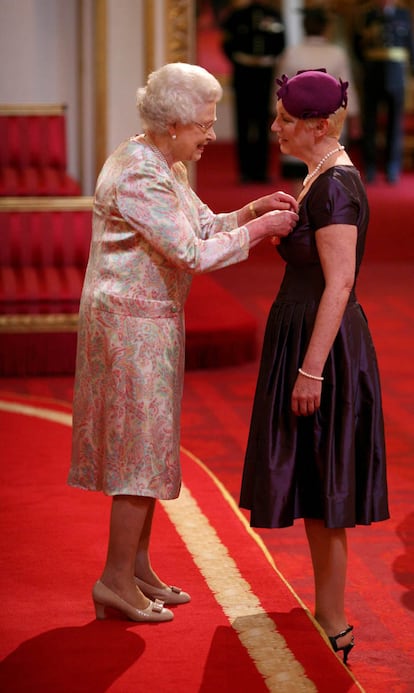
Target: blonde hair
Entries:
(335, 122)
(174, 93)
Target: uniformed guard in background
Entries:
(253, 38)
(384, 45)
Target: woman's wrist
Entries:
(311, 376)
(247, 213)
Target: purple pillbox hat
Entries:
(312, 94)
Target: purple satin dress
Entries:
(330, 465)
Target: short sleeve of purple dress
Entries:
(330, 465)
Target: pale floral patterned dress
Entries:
(151, 233)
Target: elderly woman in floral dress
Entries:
(151, 233)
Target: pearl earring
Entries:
(174, 137)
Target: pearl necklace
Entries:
(309, 177)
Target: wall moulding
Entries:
(179, 30)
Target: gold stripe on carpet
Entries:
(40, 412)
(257, 632)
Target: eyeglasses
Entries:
(205, 127)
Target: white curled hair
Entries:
(174, 93)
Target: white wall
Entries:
(125, 68)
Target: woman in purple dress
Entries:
(316, 444)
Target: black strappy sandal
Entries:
(346, 648)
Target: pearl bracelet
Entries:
(308, 375)
(252, 210)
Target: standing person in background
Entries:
(151, 234)
(253, 38)
(316, 447)
(383, 42)
(314, 50)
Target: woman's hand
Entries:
(306, 396)
(279, 223)
(275, 201)
(276, 223)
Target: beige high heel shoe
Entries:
(103, 597)
(169, 595)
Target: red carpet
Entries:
(219, 330)
(244, 630)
